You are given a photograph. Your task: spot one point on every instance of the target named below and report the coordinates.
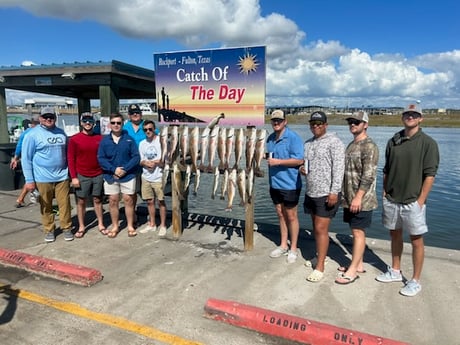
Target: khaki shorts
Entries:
(410, 217)
(128, 187)
(152, 190)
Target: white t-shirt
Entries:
(151, 151)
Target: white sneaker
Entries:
(162, 231)
(279, 251)
(292, 257)
(147, 228)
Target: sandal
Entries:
(343, 279)
(132, 233)
(104, 231)
(315, 276)
(112, 233)
(19, 204)
(345, 268)
(80, 233)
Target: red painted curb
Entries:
(287, 326)
(51, 268)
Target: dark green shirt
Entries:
(408, 161)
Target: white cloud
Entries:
(298, 71)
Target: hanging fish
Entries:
(221, 147)
(223, 185)
(164, 143)
(177, 181)
(216, 120)
(197, 181)
(194, 143)
(204, 141)
(215, 182)
(184, 144)
(229, 146)
(250, 184)
(241, 183)
(239, 145)
(174, 139)
(231, 189)
(260, 151)
(164, 178)
(212, 148)
(188, 176)
(250, 146)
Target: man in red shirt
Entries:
(86, 172)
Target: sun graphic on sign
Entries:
(248, 63)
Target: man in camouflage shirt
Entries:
(358, 190)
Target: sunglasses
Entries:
(148, 129)
(115, 122)
(354, 122)
(49, 117)
(411, 114)
(277, 121)
(316, 123)
(90, 121)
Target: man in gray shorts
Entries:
(411, 163)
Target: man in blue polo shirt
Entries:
(285, 155)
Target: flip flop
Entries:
(112, 233)
(104, 231)
(344, 279)
(345, 268)
(80, 233)
(315, 276)
(132, 233)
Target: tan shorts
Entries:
(128, 187)
(152, 190)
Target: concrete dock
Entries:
(154, 290)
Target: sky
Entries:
(357, 53)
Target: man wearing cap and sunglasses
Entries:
(284, 158)
(324, 156)
(85, 171)
(359, 196)
(119, 158)
(44, 164)
(411, 164)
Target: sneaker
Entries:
(68, 236)
(389, 276)
(147, 228)
(279, 251)
(291, 257)
(162, 231)
(411, 289)
(50, 237)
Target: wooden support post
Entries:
(249, 224)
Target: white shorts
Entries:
(128, 187)
(410, 217)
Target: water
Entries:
(442, 205)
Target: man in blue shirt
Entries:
(44, 164)
(285, 155)
(119, 158)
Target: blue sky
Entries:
(337, 52)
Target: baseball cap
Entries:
(134, 109)
(413, 108)
(277, 114)
(318, 116)
(47, 110)
(359, 115)
(86, 116)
